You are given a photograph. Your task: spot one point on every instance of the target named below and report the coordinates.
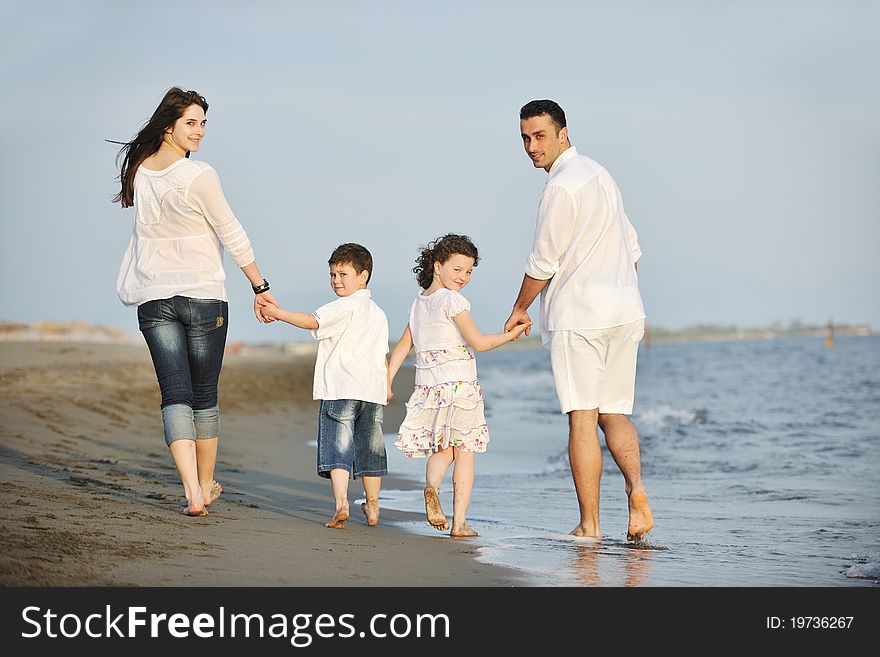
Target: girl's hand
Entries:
(519, 329)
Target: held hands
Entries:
(519, 329)
(518, 318)
(390, 393)
(265, 308)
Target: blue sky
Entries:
(744, 137)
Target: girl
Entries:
(173, 272)
(444, 416)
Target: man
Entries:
(583, 262)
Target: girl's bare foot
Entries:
(338, 520)
(641, 520)
(213, 493)
(434, 511)
(463, 532)
(371, 511)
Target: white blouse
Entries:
(442, 354)
(182, 223)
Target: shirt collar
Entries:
(362, 293)
(566, 155)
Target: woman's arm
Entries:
(256, 279)
(480, 342)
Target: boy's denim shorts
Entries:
(350, 437)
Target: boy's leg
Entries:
(462, 486)
(372, 485)
(339, 481)
(370, 460)
(435, 471)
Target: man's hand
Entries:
(518, 317)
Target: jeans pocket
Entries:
(342, 410)
(208, 315)
(150, 315)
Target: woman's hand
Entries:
(261, 301)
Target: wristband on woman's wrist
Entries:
(262, 287)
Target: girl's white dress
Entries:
(446, 407)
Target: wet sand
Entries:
(90, 496)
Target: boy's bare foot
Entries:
(213, 493)
(463, 532)
(371, 511)
(338, 520)
(582, 531)
(436, 517)
(641, 520)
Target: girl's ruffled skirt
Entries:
(442, 415)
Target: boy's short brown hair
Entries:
(355, 255)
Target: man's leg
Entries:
(623, 443)
(585, 456)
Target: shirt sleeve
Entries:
(557, 217)
(455, 303)
(206, 195)
(633, 240)
(333, 318)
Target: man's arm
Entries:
(529, 289)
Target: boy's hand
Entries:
(390, 394)
(261, 301)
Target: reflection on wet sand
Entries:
(597, 565)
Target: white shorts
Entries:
(596, 368)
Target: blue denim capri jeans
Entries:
(350, 437)
(186, 338)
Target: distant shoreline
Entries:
(82, 332)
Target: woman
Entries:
(173, 272)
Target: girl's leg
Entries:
(372, 485)
(462, 486)
(435, 470)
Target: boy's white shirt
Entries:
(352, 339)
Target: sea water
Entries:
(760, 459)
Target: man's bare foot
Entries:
(436, 517)
(463, 532)
(213, 493)
(338, 520)
(582, 531)
(371, 511)
(641, 520)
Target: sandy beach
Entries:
(90, 496)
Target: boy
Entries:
(350, 380)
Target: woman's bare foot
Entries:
(641, 520)
(338, 520)
(463, 532)
(434, 511)
(213, 493)
(371, 511)
(192, 510)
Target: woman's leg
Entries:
(165, 336)
(206, 328)
(435, 470)
(462, 486)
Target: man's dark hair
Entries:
(539, 108)
(355, 255)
